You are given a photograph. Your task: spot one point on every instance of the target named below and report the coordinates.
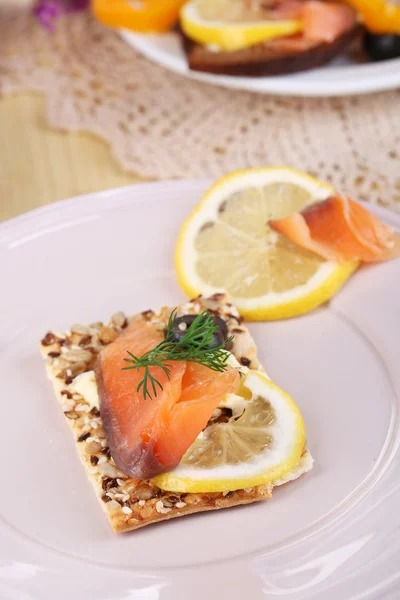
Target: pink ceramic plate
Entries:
(332, 535)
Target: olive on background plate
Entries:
(382, 47)
(181, 325)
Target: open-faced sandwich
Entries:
(173, 414)
(265, 37)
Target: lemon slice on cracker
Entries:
(259, 437)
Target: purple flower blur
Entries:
(47, 11)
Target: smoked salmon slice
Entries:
(322, 21)
(149, 436)
(342, 230)
(326, 21)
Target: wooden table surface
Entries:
(53, 165)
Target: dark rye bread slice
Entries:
(278, 57)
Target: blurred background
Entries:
(90, 104)
(40, 164)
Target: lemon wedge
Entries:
(262, 441)
(226, 26)
(227, 245)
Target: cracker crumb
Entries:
(119, 319)
(160, 508)
(107, 335)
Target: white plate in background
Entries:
(340, 78)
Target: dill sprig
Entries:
(195, 346)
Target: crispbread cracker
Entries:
(130, 504)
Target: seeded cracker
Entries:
(130, 504)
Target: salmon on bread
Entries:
(328, 28)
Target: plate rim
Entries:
(389, 215)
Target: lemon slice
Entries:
(261, 442)
(226, 245)
(224, 24)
